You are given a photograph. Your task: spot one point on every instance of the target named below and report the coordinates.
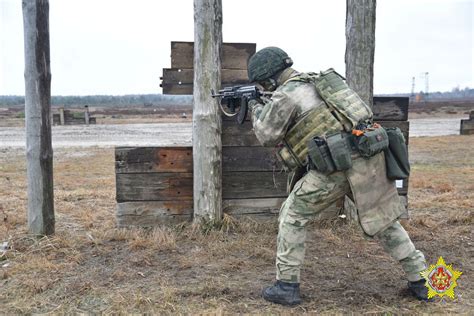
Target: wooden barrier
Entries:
(179, 78)
(67, 117)
(154, 184)
(467, 126)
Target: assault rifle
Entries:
(236, 100)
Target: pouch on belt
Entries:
(371, 141)
(396, 155)
(320, 156)
(330, 154)
(340, 150)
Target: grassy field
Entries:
(89, 265)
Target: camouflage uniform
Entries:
(315, 194)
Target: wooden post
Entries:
(467, 126)
(359, 58)
(39, 151)
(207, 146)
(61, 116)
(360, 47)
(86, 115)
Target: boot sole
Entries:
(281, 302)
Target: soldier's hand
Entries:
(255, 107)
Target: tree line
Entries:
(455, 94)
(171, 100)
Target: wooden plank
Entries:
(239, 159)
(179, 186)
(154, 186)
(56, 119)
(184, 76)
(153, 159)
(234, 134)
(182, 55)
(390, 108)
(186, 88)
(467, 127)
(264, 184)
(266, 206)
(156, 213)
(153, 213)
(179, 159)
(234, 55)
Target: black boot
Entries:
(419, 290)
(283, 293)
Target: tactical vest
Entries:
(344, 110)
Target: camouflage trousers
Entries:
(317, 196)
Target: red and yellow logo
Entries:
(441, 279)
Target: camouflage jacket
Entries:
(375, 196)
(272, 118)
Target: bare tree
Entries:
(207, 145)
(360, 47)
(39, 151)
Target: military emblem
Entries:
(441, 279)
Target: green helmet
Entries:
(267, 62)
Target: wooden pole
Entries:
(86, 115)
(360, 47)
(39, 151)
(61, 116)
(359, 58)
(207, 146)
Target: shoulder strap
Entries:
(309, 77)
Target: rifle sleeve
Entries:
(271, 120)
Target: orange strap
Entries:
(357, 132)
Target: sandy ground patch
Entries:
(173, 134)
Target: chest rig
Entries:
(343, 110)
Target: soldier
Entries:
(321, 107)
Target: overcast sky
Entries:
(120, 47)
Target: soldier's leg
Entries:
(311, 195)
(398, 244)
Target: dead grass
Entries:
(90, 266)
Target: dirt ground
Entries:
(89, 265)
(433, 109)
(165, 133)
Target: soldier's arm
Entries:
(271, 118)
